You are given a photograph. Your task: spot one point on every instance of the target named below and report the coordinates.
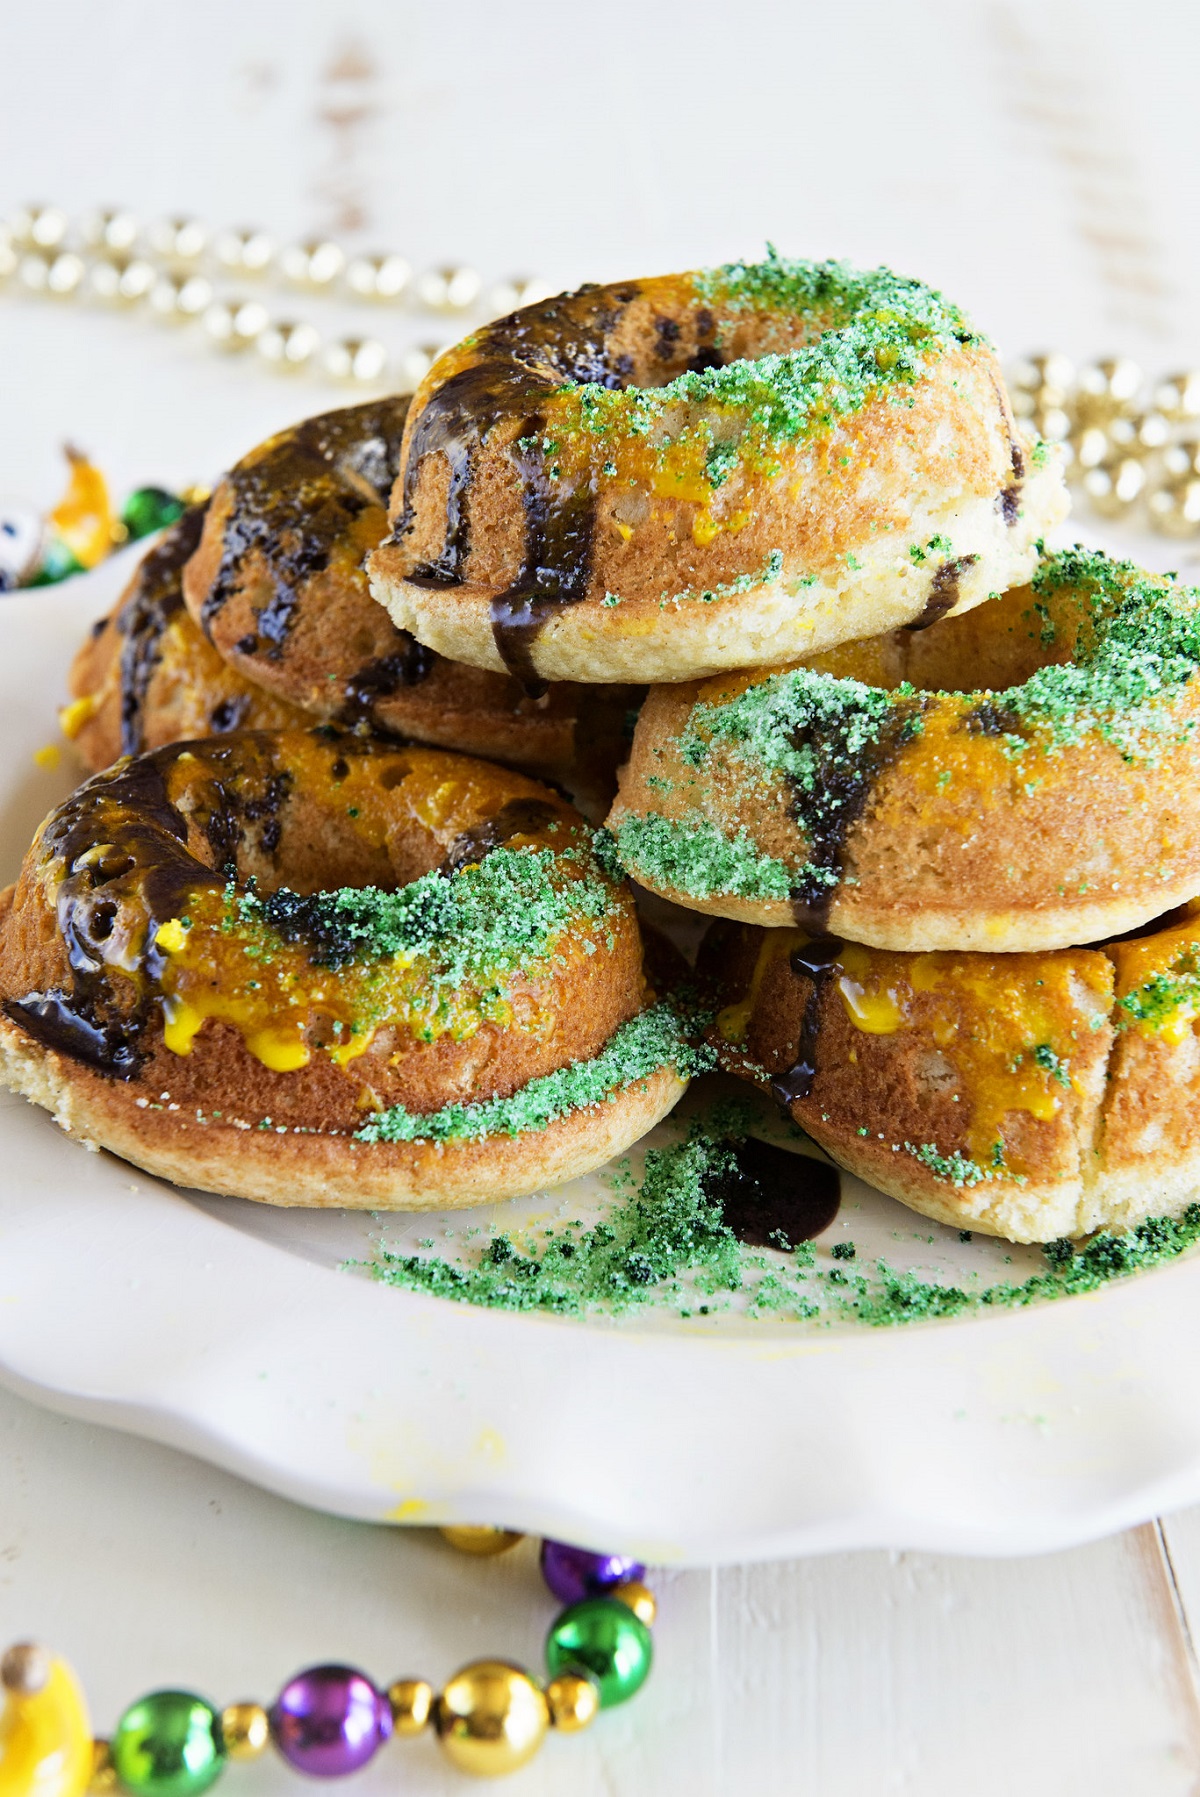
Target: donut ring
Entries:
(277, 585)
(1032, 1096)
(660, 479)
(146, 676)
(883, 794)
(309, 968)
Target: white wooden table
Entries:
(1036, 158)
(1067, 1676)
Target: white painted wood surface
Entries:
(1068, 1676)
(1035, 157)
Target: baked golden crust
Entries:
(1032, 786)
(1031, 1096)
(559, 514)
(146, 676)
(277, 583)
(171, 993)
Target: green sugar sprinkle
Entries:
(879, 330)
(664, 1244)
(1160, 999)
(695, 857)
(658, 1037)
(956, 1167)
(493, 917)
(1139, 646)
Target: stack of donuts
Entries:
(935, 782)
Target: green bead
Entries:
(150, 508)
(168, 1745)
(603, 1638)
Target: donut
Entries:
(276, 584)
(730, 468)
(884, 793)
(1031, 1096)
(147, 676)
(311, 968)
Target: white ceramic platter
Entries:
(238, 1333)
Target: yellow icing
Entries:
(72, 717)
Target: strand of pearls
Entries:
(1132, 444)
(180, 272)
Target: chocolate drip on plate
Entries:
(817, 961)
(143, 619)
(773, 1199)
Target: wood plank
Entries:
(861, 1673)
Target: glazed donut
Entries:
(885, 793)
(660, 479)
(313, 969)
(146, 676)
(1032, 1096)
(276, 583)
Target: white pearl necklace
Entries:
(178, 271)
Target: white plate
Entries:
(233, 1331)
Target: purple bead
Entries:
(329, 1720)
(573, 1574)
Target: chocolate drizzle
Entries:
(379, 679)
(142, 621)
(136, 881)
(816, 961)
(943, 590)
(773, 1199)
(296, 499)
(521, 362)
(118, 853)
(520, 817)
(834, 796)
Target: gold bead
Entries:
(8, 256)
(639, 1598)
(449, 289)
(39, 226)
(411, 1701)
(178, 239)
(1178, 396)
(245, 1730)
(65, 275)
(517, 291)
(120, 280)
(415, 364)
(491, 1718)
(234, 324)
(314, 263)
(288, 346)
(25, 1669)
(1114, 488)
(378, 277)
(573, 1701)
(246, 251)
(104, 1773)
(479, 1538)
(33, 271)
(1174, 508)
(362, 359)
(111, 229)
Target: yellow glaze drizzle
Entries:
(1007, 1024)
(734, 1021)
